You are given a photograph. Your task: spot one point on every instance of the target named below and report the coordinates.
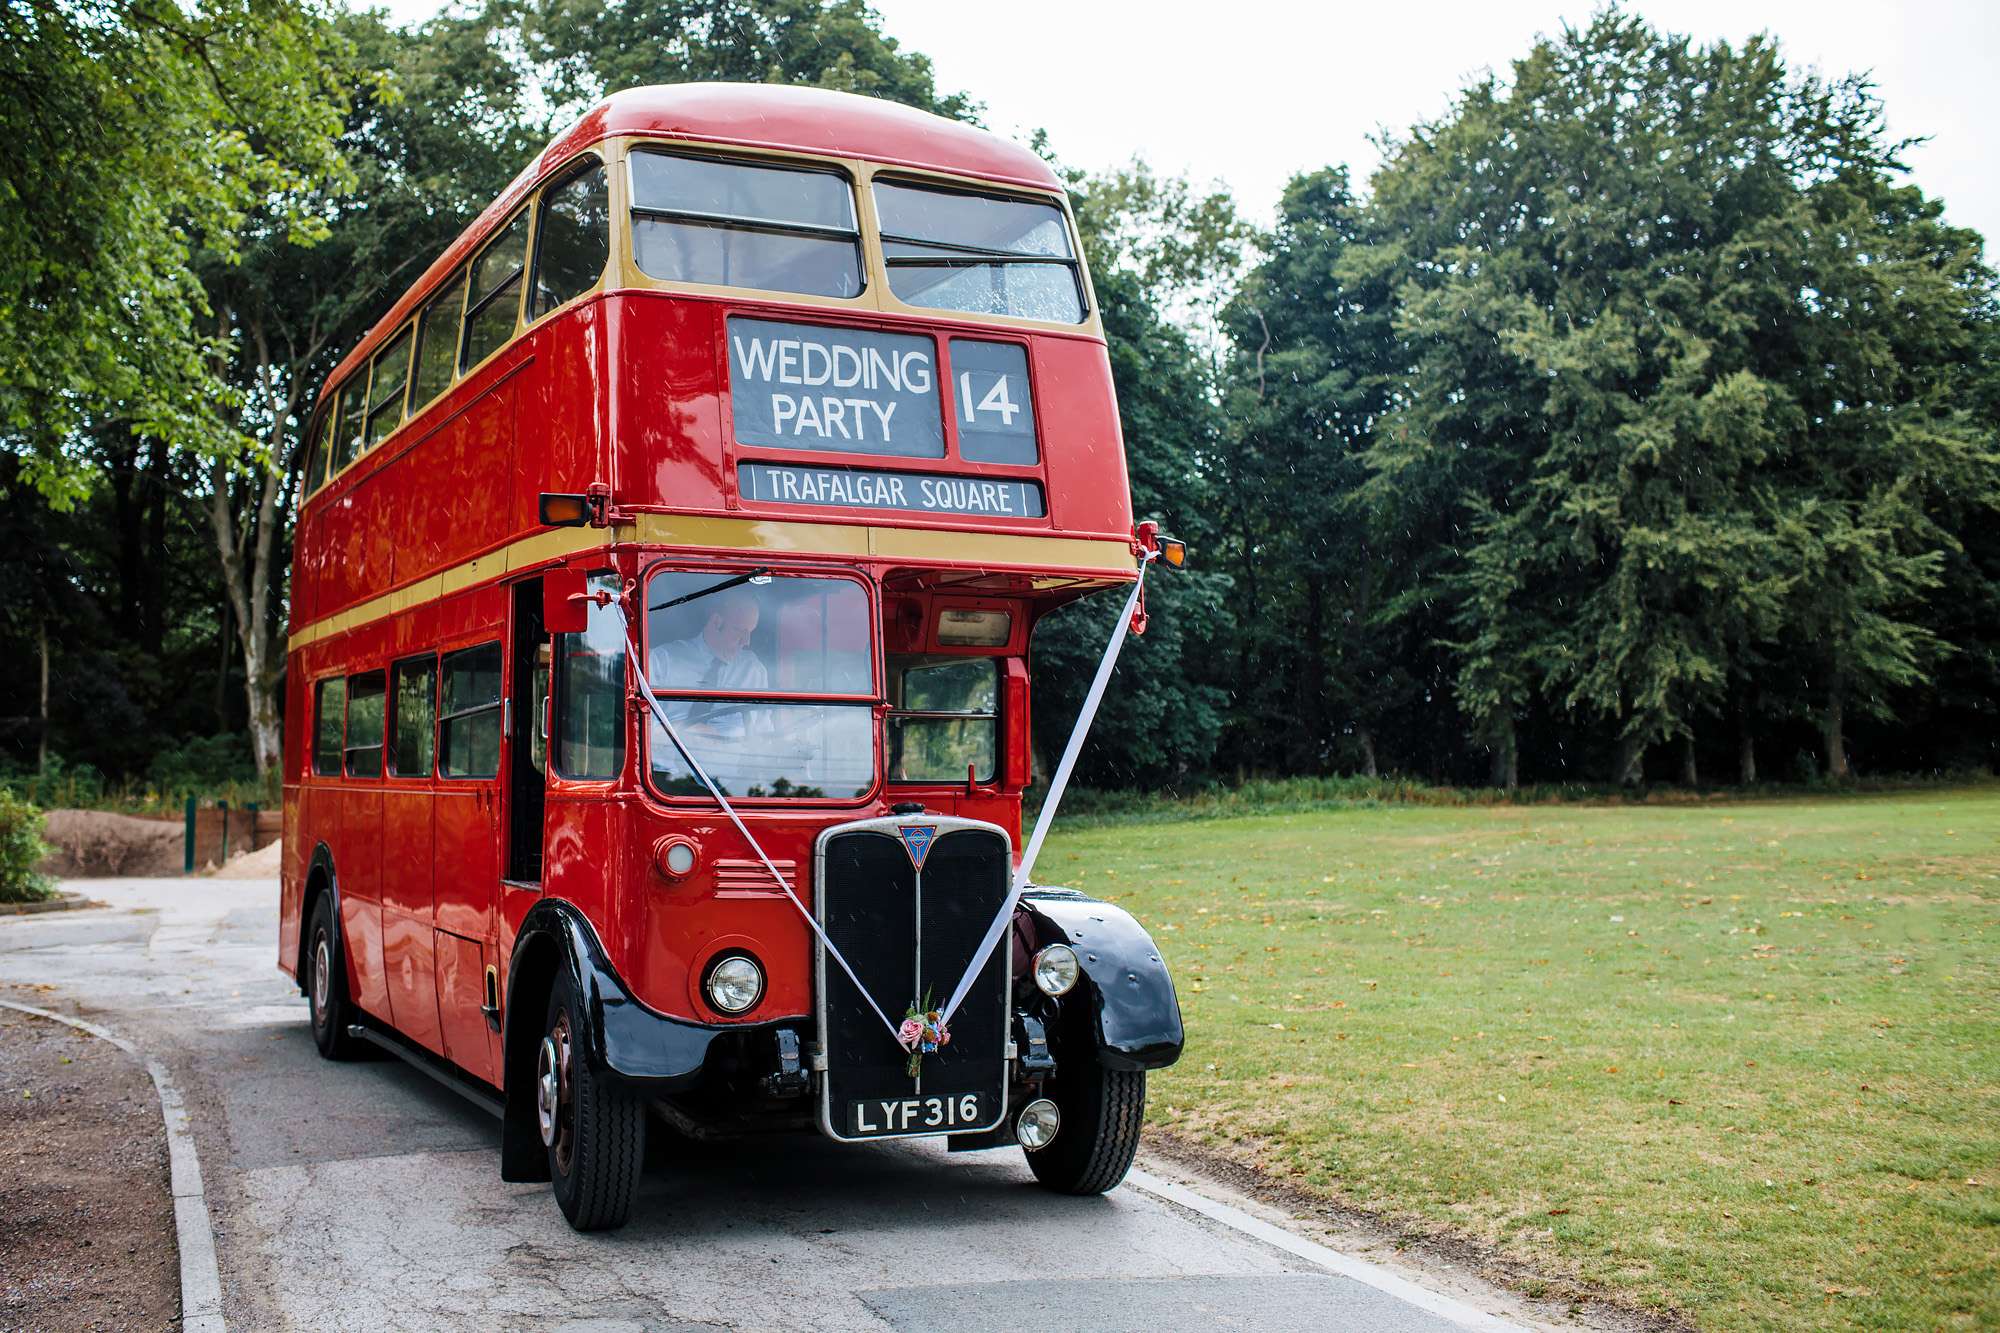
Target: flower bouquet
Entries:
(923, 1032)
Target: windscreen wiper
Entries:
(695, 596)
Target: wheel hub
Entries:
(322, 964)
(555, 1093)
(548, 1090)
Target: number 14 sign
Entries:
(996, 415)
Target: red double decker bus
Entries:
(657, 686)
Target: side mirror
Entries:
(565, 604)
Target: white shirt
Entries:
(689, 664)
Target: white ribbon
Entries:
(1005, 916)
(660, 715)
(1049, 803)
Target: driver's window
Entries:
(944, 723)
(718, 646)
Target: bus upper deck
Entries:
(737, 317)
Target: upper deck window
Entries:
(735, 224)
(385, 399)
(493, 305)
(437, 347)
(573, 239)
(983, 254)
(347, 442)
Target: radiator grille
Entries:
(868, 900)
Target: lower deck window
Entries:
(366, 717)
(590, 692)
(944, 719)
(469, 713)
(329, 720)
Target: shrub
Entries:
(21, 850)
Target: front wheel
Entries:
(326, 985)
(594, 1129)
(1101, 1111)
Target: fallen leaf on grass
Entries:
(1557, 1212)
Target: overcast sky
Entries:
(1250, 91)
(1247, 92)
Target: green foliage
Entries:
(1638, 387)
(132, 132)
(585, 49)
(21, 850)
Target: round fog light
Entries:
(1038, 1123)
(735, 983)
(1056, 969)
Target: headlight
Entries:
(1038, 1124)
(735, 983)
(1056, 969)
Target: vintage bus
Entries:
(657, 695)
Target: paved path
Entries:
(364, 1196)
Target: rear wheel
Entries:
(594, 1129)
(1098, 1135)
(326, 985)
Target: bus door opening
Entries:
(527, 743)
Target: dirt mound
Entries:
(97, 844)
(264, 863)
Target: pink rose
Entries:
(910, 1032)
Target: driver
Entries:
(717, 658)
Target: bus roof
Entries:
(815, 121)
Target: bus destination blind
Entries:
(810, 386)
(860, 488)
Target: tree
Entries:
(583, 49)
(1663, 379)
(441, 132)
(132, 131)
(1315, 365)
(1164, 716)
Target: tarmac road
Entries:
(365, 1196)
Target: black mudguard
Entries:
(651, 1051)
(1135, 1013)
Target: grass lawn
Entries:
(1739, 1059)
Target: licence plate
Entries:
(873, 1116)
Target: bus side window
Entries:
(469, 713)
(385, 399)
(329, 716)
(437, 344)
(493, 305)
(572, 239)
(414, 699)
(365, 720)
(347, 432)
(590, 693)
(322, 445)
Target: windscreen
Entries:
(718, 646)
(982, 254)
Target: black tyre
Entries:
(594, 1129)
(326, 984)
(1102, 1110)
